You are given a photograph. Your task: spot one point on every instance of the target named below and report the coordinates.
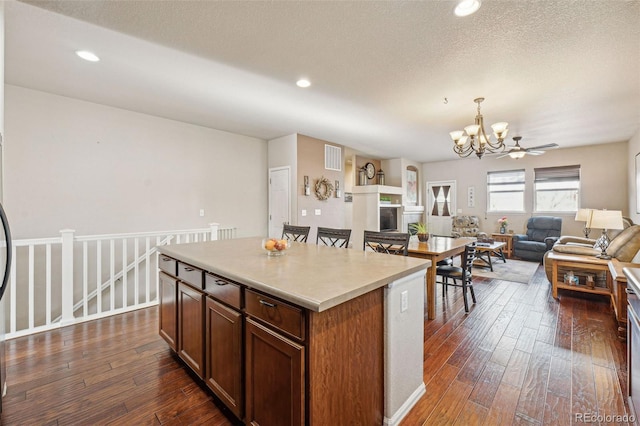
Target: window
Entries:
(557, 189)
(505, 191)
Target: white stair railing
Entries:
(65, 280)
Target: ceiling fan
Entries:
(518, 152)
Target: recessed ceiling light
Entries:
(87, 56)
(467, 7)
(303, 83)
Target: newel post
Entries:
(67, 276)
(214, 230)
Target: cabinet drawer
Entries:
(191, 275)
(223, 290)
(281, 315)
(168, 264)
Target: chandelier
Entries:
(476, 139)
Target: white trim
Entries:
(406, 407)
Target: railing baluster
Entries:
(13, 319)
(136, 281)
(32, 294)
(112, 272)
(47, 290)
(147, 273)
(125, 290)
(99, 276)
(85, 278)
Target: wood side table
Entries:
(508, 240)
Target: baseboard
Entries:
(406, 407)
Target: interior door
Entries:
(279, 199)
(441, 206)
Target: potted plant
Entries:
(421, 231)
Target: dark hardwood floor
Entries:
(519, 357)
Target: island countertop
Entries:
(312, 276)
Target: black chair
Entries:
(333, 237)
(295, 233)
(462, 273)
(387, 242)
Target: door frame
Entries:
(271, 171)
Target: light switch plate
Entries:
(404, 304)
(318, 212)
(304, 212)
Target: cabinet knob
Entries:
(189, 269)
(221, 282)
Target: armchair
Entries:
(466, 226)
(542, 233)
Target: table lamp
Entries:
(584, 215)
(605, 219)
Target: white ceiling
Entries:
(558, 71)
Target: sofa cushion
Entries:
(576, 249)
(626, 244)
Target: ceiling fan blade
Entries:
(506, 154)
(534, 152)
(547, 146)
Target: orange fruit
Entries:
(269, 245)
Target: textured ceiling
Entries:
(558, 71)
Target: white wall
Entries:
(282, 152)
(98, 169)
(603, 181)
(634, 149)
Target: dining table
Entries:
(436, 248)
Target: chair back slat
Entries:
(468, 257)
(333, 237)
(387, 242)
(295, 233)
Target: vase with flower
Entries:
(503, 222)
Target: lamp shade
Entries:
(583, 215)
(606, 219)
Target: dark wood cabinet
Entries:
(224, 355)
(168, 309)
(191, 327)
(275, 384)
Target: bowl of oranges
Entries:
(274, 246)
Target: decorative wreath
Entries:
(323, 188)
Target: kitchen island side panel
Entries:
(346, 348)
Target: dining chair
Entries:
(387, 242)
(462, 273)
(333, 237)
(295, 233)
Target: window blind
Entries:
(557, 174)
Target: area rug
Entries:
(519, 271)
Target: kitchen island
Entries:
(318, 336)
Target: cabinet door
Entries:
(191, 327)
(275, 378)
(168, 309)
(224, 355)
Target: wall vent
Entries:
(332, 157)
